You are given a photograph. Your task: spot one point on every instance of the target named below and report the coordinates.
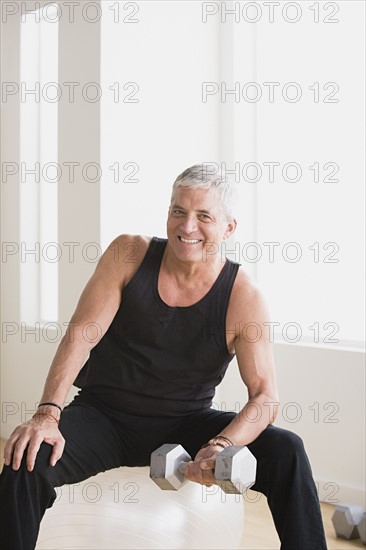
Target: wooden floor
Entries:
(261, 535)
(62, 527)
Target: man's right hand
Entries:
(39, 429)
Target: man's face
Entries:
(195, 221)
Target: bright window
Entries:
(299, 146)
(38, 169)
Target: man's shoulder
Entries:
(133, 246)
(245, 293)
(244, 282)
(129, 237)
(130, 250)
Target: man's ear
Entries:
(231, 226)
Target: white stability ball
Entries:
(125, 509)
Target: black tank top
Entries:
(158, 360)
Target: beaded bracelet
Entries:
(46, 414)
(226, 439)
(213, 442)
(51, 404)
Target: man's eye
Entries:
(205, 216)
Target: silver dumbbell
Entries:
(346, 519)
(235, 468)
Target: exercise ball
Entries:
(124, 509)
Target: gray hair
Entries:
(200, 176)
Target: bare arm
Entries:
(95, 310)
(248, 313)
(97, 306)
(257, 369)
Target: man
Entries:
(168, 316)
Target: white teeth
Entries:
(189, 241)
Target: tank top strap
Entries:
(149, 265)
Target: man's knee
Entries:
(292, 442)
(23, 485)
(284, 446)
(290, 461)
(41, 467)
(42, 464)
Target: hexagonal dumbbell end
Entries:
(164, 466)
(345, 519)
(361, 528)
(235, 469)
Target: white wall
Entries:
(308, 132)
(26, 355)
(10, 275)
(166, 54)
(322, 399)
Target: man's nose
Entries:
(189, 224)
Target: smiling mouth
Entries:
(189, 241)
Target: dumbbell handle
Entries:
(182, 466)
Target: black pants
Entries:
(99, 440)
